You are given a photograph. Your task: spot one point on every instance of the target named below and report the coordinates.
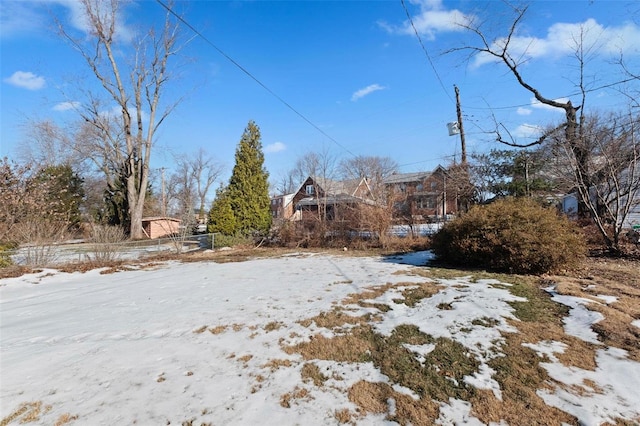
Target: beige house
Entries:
(158, 227)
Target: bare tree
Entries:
(375, 169)
(577, 140)
(501, 50)
(614, 145)
(204, 171)
(136, 85)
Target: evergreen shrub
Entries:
(515, 235)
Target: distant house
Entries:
(158, 227)
(330, 200)
(569, 202)
(282, 208)
(422, 196)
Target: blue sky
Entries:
(354, 69)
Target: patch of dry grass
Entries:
(275, 364)
(273, 325)
(64, 419)
(27, 412)
(311, 372)
(297, 393)
(620, 279)
(374, 398)
(415, 293)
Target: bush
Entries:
(6, 249)
(221, 240)
(512, 235)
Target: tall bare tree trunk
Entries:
(137, 96)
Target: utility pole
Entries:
(460, 128)
(164, 201)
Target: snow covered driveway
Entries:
(202, 342)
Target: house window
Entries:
(309, 189)
(426, 203)
(434, 185)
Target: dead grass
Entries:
(620, 279)
(297, 393)
(65, 418)
(441, 375)
(334, 319)
(275, 364)
(27, 412)
(311, 372)
(273, 325)
(218, 329)
(415, 293)
(374, 398)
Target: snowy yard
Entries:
(224, 344)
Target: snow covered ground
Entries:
(131, 347)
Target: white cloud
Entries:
(564, 38)
(523, 111)
(366, 91)
(432, 19)
(66, 106)
(527, 131)
(79, 20)
(538, 105)
(26, 80)
(275, 147)
(18, 18)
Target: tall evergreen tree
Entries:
(221, 217)
(64, 193)
(248, 189)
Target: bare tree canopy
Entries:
(194, 176)
(588, 147)
(133, 73)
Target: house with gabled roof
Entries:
(421, 197)
(327, 199)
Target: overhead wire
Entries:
(250, 75)
(424, 49)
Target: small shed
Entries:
(158, 227)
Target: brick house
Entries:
(330, 200)
(421, 197)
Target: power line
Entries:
(254, 78)
(435, 71)
(595, 89)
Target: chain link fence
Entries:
(81, 251)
